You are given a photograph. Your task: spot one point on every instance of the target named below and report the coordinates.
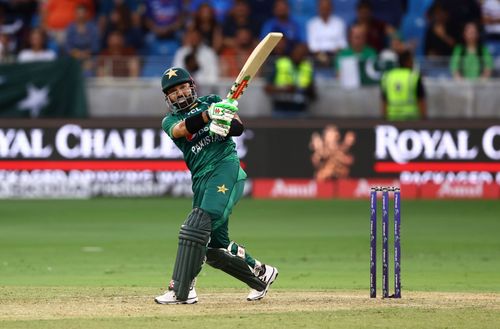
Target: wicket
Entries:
(385, 241)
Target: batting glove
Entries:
(219, 128)
(223, 111)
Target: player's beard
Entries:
(183, 101)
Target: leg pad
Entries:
(193, 239)
(235, 266)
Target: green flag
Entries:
(373, 69)
(43, 89)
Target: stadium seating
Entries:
(389, 11)
(345, 9)
(419, 7)
(157, 47)
(154, 66)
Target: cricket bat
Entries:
(253, 63)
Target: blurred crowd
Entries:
(212, 38)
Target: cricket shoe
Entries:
(267, 275)
(169, 297)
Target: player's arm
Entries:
(236, 128)
(190, 125)
(223, 111)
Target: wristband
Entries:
(236, 128)
(194, 123)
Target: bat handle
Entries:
(232, 101)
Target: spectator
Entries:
(399, 46)
(378, 33)
(57, 15)
(37, 50)
(82, 39)
(491, 22)
(491, 18)
(303, 10)
(283, 22)
(164, 18)
(106, 8)
(221, 7)
(206, 22)
(233, 58)
(10, 26)
(7, 49)
(326, 33)
(197, 58)
(239, 17)
(350, 62)
(471, 60)
(122, 17)
(26, 10)
(291, 84)
(261, 10)
(461, 12)
(403, 94)
(438, 39)
(117, 60)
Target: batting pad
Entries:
(234, 266)
(193, 239)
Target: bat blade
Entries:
(253, 64)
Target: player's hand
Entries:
(219, 128)
(230, 104)
(223, 111)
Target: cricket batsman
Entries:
(202, 127)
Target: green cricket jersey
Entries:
(201, 151)
(470, 64)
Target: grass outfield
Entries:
(98, 263)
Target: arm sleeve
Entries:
(168, 124)
(236, 128)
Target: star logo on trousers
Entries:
(222, 189)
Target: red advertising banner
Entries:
(459, 190)
(292, 189)
(360, 188)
